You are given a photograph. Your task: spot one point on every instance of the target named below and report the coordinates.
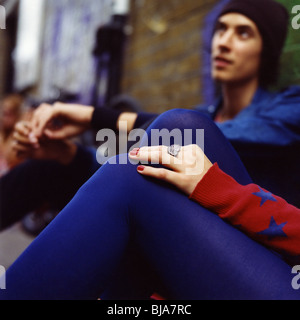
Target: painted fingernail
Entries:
(134, 152)
(141, 168)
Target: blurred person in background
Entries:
(11, 108)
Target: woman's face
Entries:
(236, 49)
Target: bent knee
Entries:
(119, 165)
(182, 118)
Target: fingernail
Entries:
(141, 168)
(134, 152)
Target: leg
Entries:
(34, 183)
(196, 254)
(217, 148)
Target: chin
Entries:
(223, 78)
(220, 75)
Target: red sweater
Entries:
(258, 213)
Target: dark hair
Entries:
(269, 69)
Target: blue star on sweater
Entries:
(274, 230)
(265, 196)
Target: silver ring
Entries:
(174, 150)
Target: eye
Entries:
(244, 32)
(220, 27)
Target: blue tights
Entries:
(124, 233)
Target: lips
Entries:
(220, 61)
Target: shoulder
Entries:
(283, 103)
(289, 94)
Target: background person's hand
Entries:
(23, 139)
(27, 146)
(184, 171)
(61, 120)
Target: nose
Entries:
(224, 40)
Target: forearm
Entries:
(77, 113)
(263, 216)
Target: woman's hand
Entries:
(27, 146)
(184, 171)
(61, 120)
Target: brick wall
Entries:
(163, 62)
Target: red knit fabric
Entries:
(261, 215)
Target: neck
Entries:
(237, 97)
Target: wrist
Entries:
(128, 119)
(105, 118)
(86, 114)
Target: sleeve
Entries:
(258, 213)
(259, 130)
(107, 118)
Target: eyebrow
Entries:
(222, 23)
